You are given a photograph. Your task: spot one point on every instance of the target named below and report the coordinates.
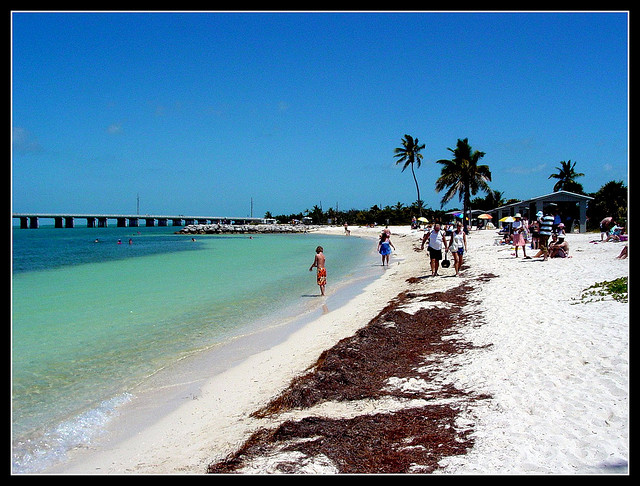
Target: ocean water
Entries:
(93, 320)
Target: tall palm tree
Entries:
(566, 176)
(409, 154)
(462, 175)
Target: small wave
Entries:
(36, 455)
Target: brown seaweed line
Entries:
(358, 367)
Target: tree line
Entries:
(463, 176)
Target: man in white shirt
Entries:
(436, 239)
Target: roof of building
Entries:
(559, 196)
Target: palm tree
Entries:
(399, 207)
(409, 154)
(566, 177)
(462, 175)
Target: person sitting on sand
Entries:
(624, 253)
(615, 232)
(318, 262)
(541, 251)
(559, 248)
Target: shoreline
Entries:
(123, 434)
(582, 371)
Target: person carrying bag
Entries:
(437, 240)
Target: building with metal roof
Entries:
(572, 208)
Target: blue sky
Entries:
(198, 113)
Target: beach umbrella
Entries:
(485, 216)
(508, 219)
(423, 219)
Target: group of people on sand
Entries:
(454, 240)
(437, 239)
(546, 233)
(611, 231)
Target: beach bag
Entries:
(445, 263)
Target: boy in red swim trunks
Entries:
(318, 262)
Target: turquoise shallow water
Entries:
(92, 320)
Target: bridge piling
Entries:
(66, 220)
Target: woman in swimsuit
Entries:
(384, 247)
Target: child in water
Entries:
(318, 262)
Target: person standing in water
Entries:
(318, 262)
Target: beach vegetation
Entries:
(462, 175)
(316, 214)
(397, 214)
(608, 290)
(408, 155)
(567, 176)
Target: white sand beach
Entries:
(556, 369)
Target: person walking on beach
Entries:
(384, 247)
(458, 245)
(436, 239)
(318, 262)
(518, 235)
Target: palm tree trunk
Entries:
(465, 208)
(417, 189)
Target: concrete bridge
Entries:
(31, 220)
